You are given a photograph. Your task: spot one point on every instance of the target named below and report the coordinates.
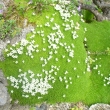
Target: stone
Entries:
(42, 107)
(5, 99)
(2, 79)
(100, 106)
(19, 107)
(3, 94)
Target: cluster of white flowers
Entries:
(107, 80)
(65, 14)
(66, 80)
(31, 84)
(88, 62)
(74, 34)
(14, 51)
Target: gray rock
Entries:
(5, 99)
(42, 107)
(19, 107)
(3, 94)
(4, 4)
(100, 107)
(3, 79)
(23, 34)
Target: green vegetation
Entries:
(62, 60)
(8, 28)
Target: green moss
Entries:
(85, 85)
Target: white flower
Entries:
(16, 62)
(85, 29)
(47, 17)
(70, 78)
(33, 14)
(12, 91)
(55, 73)
(6, 50)
(70, 82)
(68, 60)
(60, 78)
(64, 77)
(52, 19)
(32, 56)
(8, 42)
(67, 86)
(37, 50)
(78, 61)
(20, 70)
(47, 24)
(24, 42)
(66, 81)
(75, 68)
(66, 72)
(23, 61)
(63, 56)
(55, 52)
(77, 76)
(85, 39)
(64, 95)
(104, 84)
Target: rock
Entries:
(5, 99)
(19, 107)
(3, 79)
(42, 107)
(2, 47)
(23, 34)
(4, 4)
(3, 94)
(100, 107)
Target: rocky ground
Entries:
(5, 99)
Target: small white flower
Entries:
(23, 61)
(101, 74)
(37, 50)
(6, 50)
(16, 62)
(8, 42)
(40, 26)
(75, 68)
(60, 78)
(66, 81)
(77, 76)
(66, 72)
(55, 73)
(85, 39)
(78, 61)
(52, 19)
(85, 29)
(70, 82)
(64, 95)
(56, 59)
(44, 49)
(63, 56)
(47, 17)
(64, 77)
(70, 78)
(67, 86)
(20, 70)
(32, 56)
(68, 60)
(55, 52)
(12, 91)
(33, 14)
(104, 84)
